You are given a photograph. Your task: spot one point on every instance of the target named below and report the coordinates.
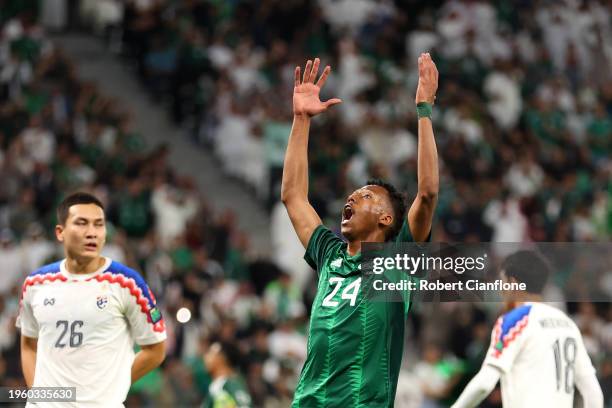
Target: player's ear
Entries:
(59, 232)
(385, 219)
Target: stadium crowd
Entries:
(523, 125)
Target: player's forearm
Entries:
(295, 168)
(481, 385)
(427, 162)
(28, 359)
(148, 358)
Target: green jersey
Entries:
(355, 345)
(228, 392)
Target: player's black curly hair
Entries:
(398, 202)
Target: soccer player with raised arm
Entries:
(355, 346)
(536, 350)
(80, 317)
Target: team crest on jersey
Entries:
(155, 315)
(101, 301)
(336, 263)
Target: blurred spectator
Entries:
(172, 208)
(287, 250)
(436, 375)
(523, 125)
(284, 298)
(226, 388)
(524, 178)
(12, 261)
(506, 219)
(37, 249)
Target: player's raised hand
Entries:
(428, 80)
(306, 92)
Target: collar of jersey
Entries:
(351, 258)
(217, 385)
(83, 276)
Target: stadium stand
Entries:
(523, 125)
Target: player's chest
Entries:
(340, 286)
(345, 292)
(91, 302)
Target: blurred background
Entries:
(176, 113)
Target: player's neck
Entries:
(84, 266)
(524, 298)
(529, 297)
(354, 246)
(222, 372)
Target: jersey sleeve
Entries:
(586, 378)
(321, 243)
(145, 319)
(507, 339)
(584, 366)
(26, 320)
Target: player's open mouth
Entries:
(91, 247)
(347, 213)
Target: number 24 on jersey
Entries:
(349, 292)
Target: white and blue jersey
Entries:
(540, 353)
(86, 326)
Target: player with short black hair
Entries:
(355, 345)
(222, 359)
(398, 203)
(81, 316)
(63, 209)
(533, 341)
(529, 268)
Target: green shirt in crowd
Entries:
(228, 392)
